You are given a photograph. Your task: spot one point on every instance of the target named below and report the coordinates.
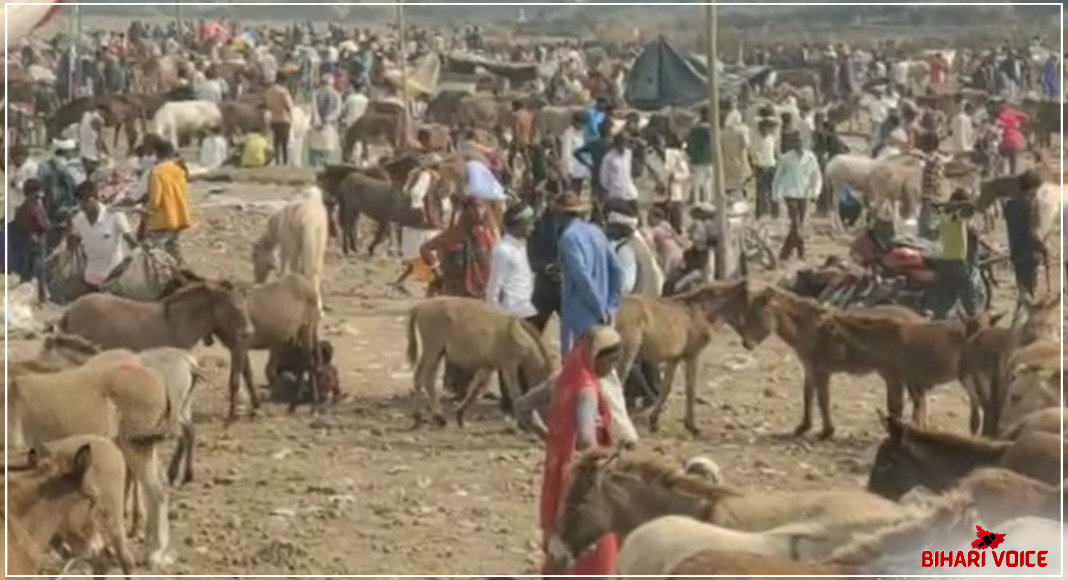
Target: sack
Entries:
(65, 275)
(142, 276)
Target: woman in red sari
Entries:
(579, 420)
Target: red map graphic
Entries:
(987, 539)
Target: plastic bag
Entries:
(143, 275)
(65, 274)
(18, 311)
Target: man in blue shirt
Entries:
(592, 280)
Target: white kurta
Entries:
(413, 238)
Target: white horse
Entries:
(298, 232)
(184, 118)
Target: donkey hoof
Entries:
(826, 433)
(802, 429)
(158, 559)
(693, 430)
(654, 424)
(439, 420)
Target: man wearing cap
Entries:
(511, 283)
(326, 109)
(592, 281)
(61, 175)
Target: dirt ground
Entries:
(361, 493)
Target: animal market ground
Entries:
(361, 493)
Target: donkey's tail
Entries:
(415, 343)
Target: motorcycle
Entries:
(889, 270)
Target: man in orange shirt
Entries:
(167, 204)
(522, 133)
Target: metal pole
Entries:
(178, 13)
(724, 245)
(405, 97)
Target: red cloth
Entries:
(1009, 122)
(575, 376)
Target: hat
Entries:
(64, 144)
(517, 214)
(431, 159)
(603, 338)
(570, 203)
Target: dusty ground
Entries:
(360, 493)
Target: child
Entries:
(957, 239)
(289, 375)
(31, 225)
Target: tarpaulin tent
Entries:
(517, 72)
(661, 77)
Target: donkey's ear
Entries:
(38, 454)
(82, 460)
(995, 317)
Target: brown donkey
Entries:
(669, 331)
(985, 368)
(43, 492)
(194, 313)
(911, 456)
(799, 322)
(918, 355)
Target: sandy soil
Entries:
(360, 493)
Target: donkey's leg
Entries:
(175, 465)
(189, 433)
(476, 386)
(144, 460)
(132, 503)
(424, 381)
(895, 396)
(970, 382)
(250, 386)
(665, 392)
(918, 394)
(237, 361)
(806, 403)
(690, 370)
(380, 235)
(821, 382)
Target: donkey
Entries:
(180, 372)
(475, 336)
(194, 313)
(1035, 382)
(984, 369)
(669, 331)
(799, 322)
(613, 494)
(112, 395)
(42, 493)
(887, 550)
(916, 354)
(937, 460)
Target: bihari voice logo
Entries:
(977, 557)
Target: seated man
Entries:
(255, 151)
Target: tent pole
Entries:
(722, 224)
(405, 97)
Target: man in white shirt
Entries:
(572, 140)
(104, 235)
(211, 89)
(91, 144)
(510, 285)
(797, 181)
(616, 176)
(24, 168)
(962, 130)
(878, 111)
